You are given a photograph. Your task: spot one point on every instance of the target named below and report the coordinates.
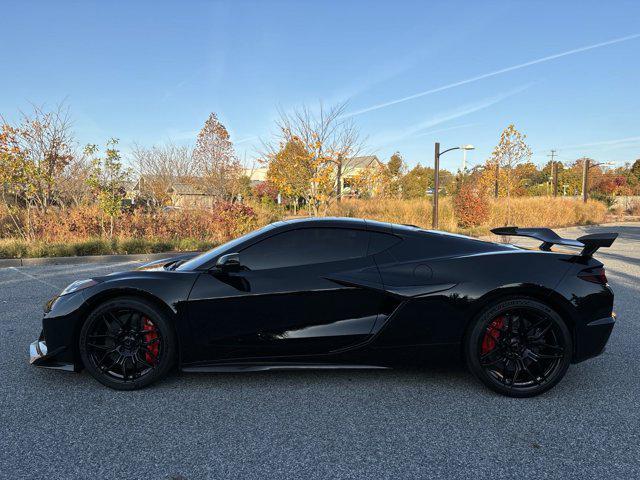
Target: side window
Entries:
(379, 242)
(305, 247)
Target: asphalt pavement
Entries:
(400, 424)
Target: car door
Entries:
(288, 299)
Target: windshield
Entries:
(206, 257)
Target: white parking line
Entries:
(44, 282)
(58, 270)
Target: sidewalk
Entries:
(141, 257)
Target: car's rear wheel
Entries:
(519, 347)
(127, 343)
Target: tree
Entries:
(159, 167)
(416, 182)
(71, 186)
(395, 169)
(507, 155)
(373, 181)
(46, 139)
(215, 160)
(266, 192)
(395, 164)
(107, 179)
(33, 157)
(470, 206)
(329, 143)
(635, 169)
(293, 170)
(18, 177)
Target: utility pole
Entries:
(339, 180)
(436, 184)
(495, 186)
(585, 179)
(554, 173)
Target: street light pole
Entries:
(436, 178)
(436, 185)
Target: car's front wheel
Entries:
(519, 347)
(127, 343)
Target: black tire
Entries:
(518, 347)
(134, 334)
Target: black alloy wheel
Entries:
(519, 347)
(127, 343)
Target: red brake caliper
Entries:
(492, 335)
(152, 353)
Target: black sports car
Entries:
(340, 293)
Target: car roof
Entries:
(350, 222)
(403, 230)
(345, 222)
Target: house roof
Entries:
(184, 189)
(362, 162)
(256, 174)
(129, 185)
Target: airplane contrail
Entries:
(632, 140)
(450, 115)
(491, 74)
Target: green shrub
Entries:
(41, 249)
(159, 246)
(11, 248)
(193, 245)
(94, 246)
(133, 245)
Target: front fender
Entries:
(64, 315)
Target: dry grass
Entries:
(547, 212)
(77, 231)
(525, 212)
(13, 248)
(413, 212)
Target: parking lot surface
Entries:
(433, 422)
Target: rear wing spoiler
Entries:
(589, 243)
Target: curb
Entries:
(141, 257)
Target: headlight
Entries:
(78, 285)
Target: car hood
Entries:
(165, 262)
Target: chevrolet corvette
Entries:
(339, 293)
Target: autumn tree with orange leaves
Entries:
(511, 151)
(216, 161)
(311, 153)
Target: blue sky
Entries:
(412, 72)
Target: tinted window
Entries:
(379, 242)
(435, 245)
(305, 247)
(206, 257)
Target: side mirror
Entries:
(229, 262)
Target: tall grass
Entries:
(77, 231)
(14, 248)
(525, 211)
(547, 212)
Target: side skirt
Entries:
(263, 367)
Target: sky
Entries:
(565, 73)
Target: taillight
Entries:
(594, 275)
